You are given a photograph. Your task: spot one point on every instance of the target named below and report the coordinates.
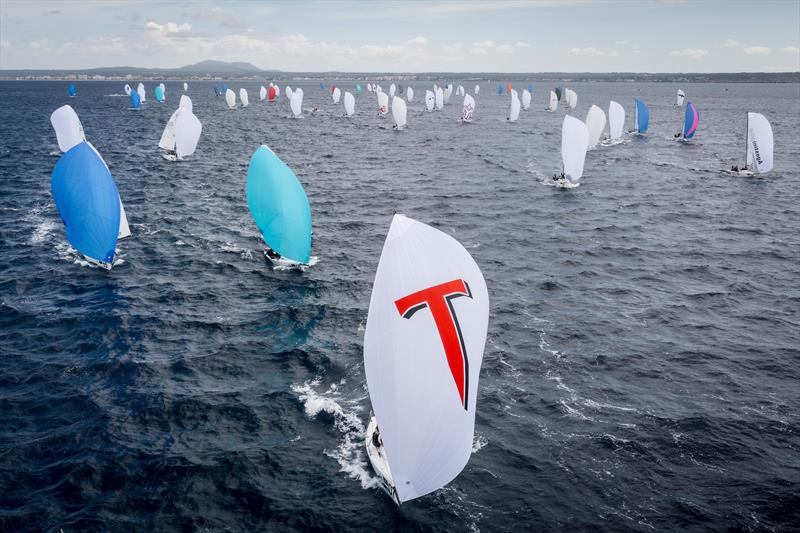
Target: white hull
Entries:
(282, 262)
(99, 264)
(169, 157)
(746, 173)
(379, 463)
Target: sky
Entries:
(407, 36)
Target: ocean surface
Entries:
(642, 369)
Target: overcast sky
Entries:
(415, 36)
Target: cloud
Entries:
(169, 27)
(730, 43)
(420, 41)
(483, 48)
(478, 51)
(621, 43)
(791, 50)
(589, 51)
(520, 44)
(694, 53)
(760, 50)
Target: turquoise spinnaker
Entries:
(279, 206)
(159, 93)
(88, 202)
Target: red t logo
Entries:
(439, 300)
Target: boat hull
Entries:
(379, 463)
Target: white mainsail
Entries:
(349, 104)
(336, 95)
(468, 112)
(243, 97)
(230, 98)
(574, 143)
(409, 94)
(448, 92)
(392, 90)
(185, 86)
(262, 93)
(423, 348)
(477, 89)
(553, 102)
(128, 90)
(399, 112)
(596, 124)
(187, 133)
(68, 127)
(526, 99)
(513, 113)
(680, 97)
(572, 99)
(430, 100)
(616, 120)
(760, 143)
(297, 102)
(185, 102)
(439, 98)
(142, 92)
(288, 93)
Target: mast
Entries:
(746, 140)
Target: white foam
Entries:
(478, 443)
(42, 231)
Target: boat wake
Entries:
(614, 142)
(350, 453)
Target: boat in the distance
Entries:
(759, 144)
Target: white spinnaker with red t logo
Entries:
(429, 305)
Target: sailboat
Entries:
(572, 98)
(513, 113)
(423, 349)
(185, 86)
(349, 104)
(296, 103)
(336, 95)
(392, 90)
(410, 94)
(186, 103)
(262, 94)
(430, 100)
(448, 92)
(277, 91)
(136, 101)
(439, 98)
(230, 99)
(288, 93)
(679, 99)
(71, 90)
(142, 93)
(616, 120)
(526, 99)
(383, 103)
(127, 89)
(69, 133)
(553, 103)
(499, 89)
(243, 97)
(477, 89)
(759, 146)
(691, 118)
(399, 112)
(574, 143)
(159, 93)
(272, 93)
(181, 134)
(358, 88)
(596, 124)
(468, 112)
(641, 117)
(559, 92)
(280, 209)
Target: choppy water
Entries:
(642, 368)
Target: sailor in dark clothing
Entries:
(272, 254)
(376, 438)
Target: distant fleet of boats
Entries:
(429, 309)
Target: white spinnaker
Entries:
(426, 425)
(277, 91)
(409, 94)
(468, 111)
(167, 141)
(187, 133)
(616, 119)
(243, 97)
(383, 103)
(572, 99)
(124, 229)
(230, 98)
(128, 90)
(349, 103)
(142, 92)
(163, 90)
(262, 93)
(439, 98)
(477, 89)
(288, 93)
(460, 91)
(513, 112)
(297, 102)
(760, 142)
(679, 98)
(553, 101)
(185, 102)
(336, 95)
(448, 92)
(526, 99)
(399, 111)
(185, 86)
(596, 123)
(392, 90)
(68, 127)
(574, 143)
(430, 100)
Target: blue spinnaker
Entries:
(530, 88)
(321, 85)
(279, 206)
(72, 89)
(224, 88)
(136, 101)
(88, 202)
(358, 88)
(642, 116)
(499, 88)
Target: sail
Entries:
(616, 120)
(297, 102)
(243, 97)
(410, 94)
(423, 348)
(513, 113)
(553, 101)
(159, 92)
(142, 93)
(68, 127)
(680, 98)
(468, 112)
(163, 89)
(392, 90)
(187, 133)
(759, 142)
(186, 103)
(262, 93)
(526, 99)
(559, 92)
(477, 89)
(460, 90)
(230, 98)
(430, 100)
(337, 94)
(288, 93)
(128, 90)
(399, 111)
(321, 86)
(448, 92)
(574, 143)
(277, 91)
(573, 99)
(136, 101)
(167, 141)
(642, 116)
(499, 88)
(383, 103)
(358, 88)
(439, 98)
(71, 89)
(272, 92)
(279, 206)
(530, 88)
(185, 86)
(349, 103)
(690, 120)
(88, 202)
(595, 123)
